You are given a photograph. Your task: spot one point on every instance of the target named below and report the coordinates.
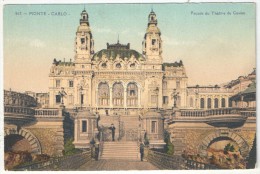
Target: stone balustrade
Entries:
(48, 113)
(211, 112)
(18, 110)
(248, 113)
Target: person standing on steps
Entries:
(142, 150)
(112, 128)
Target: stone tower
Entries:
(84, 50)
(84, 43)
(152, 44)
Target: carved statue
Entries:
(62, 93)
(175, 95)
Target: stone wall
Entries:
(51, 140)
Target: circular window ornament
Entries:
(104, 65)
(118, 65)
(132, 65)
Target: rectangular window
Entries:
(177, 84)
(82, 99)
(84, 126)
(153, 41)
(154, 127)
(154, 99)
(165, 99)
(57, 83)
(58, 99)
(82, 40)
(71, 83)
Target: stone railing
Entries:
(210, 112)
(165, 161)
(19, 110)
(190, 164)
(48, 113)
(248, 113)
(59, 163)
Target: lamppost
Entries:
(175, 95)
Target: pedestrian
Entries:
(142, 150)
(112, 128)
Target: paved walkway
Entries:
(117, 165)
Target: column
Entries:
(139, 97)
(219, 102)
(97, 98)
(206, 102)
(111, 97)
(125, 96)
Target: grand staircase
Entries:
(121, 150)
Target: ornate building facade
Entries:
(117, 77)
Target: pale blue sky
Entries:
(214, 48)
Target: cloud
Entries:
(37, 43)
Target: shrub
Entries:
(69, 148)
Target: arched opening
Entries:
(209, 103)
(132, 94)
(215, 103)
(118, 94)
(202, 103)
(220, 143)
(103, 94)
(16, 143)
(224, 149)
(223, 103)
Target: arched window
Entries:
(103, 94)
(132, 94)
(223, 103)
(209, 103)
(191, 102)
(118, 94)
(202, 103)
(215, 103)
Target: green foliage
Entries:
(69, 148)
(169, 148)
(146, 141)
(229, 148)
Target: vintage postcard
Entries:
(94, 87)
